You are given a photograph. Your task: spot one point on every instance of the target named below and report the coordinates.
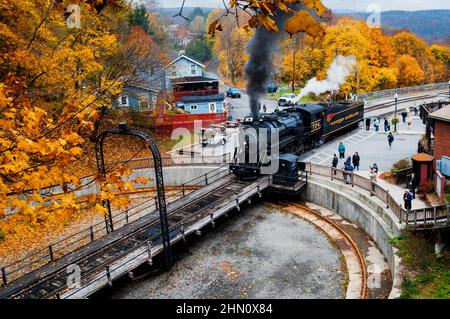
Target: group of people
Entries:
(351, 163)
(377, 123)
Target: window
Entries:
(174, 70)
(193, 107)
(124, 100)
(212, 108)
(193, 69)
(152, 70)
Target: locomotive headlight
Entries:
(245, 143)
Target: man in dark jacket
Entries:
(407, 198)
(356, 160)
(368, 124)
(390, 139)
(334, 163)
(414, 182)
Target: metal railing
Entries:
(426, 218)
(400, 91)
(70, 243)
(103, 271)
(144, 250)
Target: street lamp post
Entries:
(395, 112)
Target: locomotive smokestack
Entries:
(259, 67)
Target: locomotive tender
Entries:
(298, 129)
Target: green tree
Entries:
(196, 13)
(199, 50)
(139, 17)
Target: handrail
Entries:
(77, 240)
(146, 243)
(425, 218)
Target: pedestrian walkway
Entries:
(396, 192)
(321, 156)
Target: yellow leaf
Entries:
(302, 21)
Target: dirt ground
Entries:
(259, 253)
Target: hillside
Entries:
(431, 25)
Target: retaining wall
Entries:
(367, 212)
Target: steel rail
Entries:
(361, 260)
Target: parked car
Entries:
(234, 93)
(288, 99)
(272, 88)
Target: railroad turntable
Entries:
(264, 251)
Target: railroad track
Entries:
(306, 213)
(409, 99)
(53, 283)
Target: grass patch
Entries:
(432, 273)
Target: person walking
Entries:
(404, 115)
(376, 123)
(368, 124)
(390, 139)
(386, 125)
(341, 150)
(264, 108)
(413, 184)
(356, 160)
(334, 163)
(407, 198)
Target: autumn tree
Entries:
(229, 48)
(197, 25)
(409, 72)
(53, 82)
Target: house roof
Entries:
(192, 79)
(204, 98)
(442, 114)
(185, 57)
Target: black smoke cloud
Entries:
(260, 65)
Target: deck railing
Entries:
(62, 247)
(416, 219)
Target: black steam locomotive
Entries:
(284, 135)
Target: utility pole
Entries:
(293, 63)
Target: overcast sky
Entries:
(357, 5)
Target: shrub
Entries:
(401, 164)
(409, 289)
(395, 120)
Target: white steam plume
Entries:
(336, 75)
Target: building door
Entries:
(212, 108)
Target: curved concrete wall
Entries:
(367, 212)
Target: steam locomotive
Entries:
(285, 134)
